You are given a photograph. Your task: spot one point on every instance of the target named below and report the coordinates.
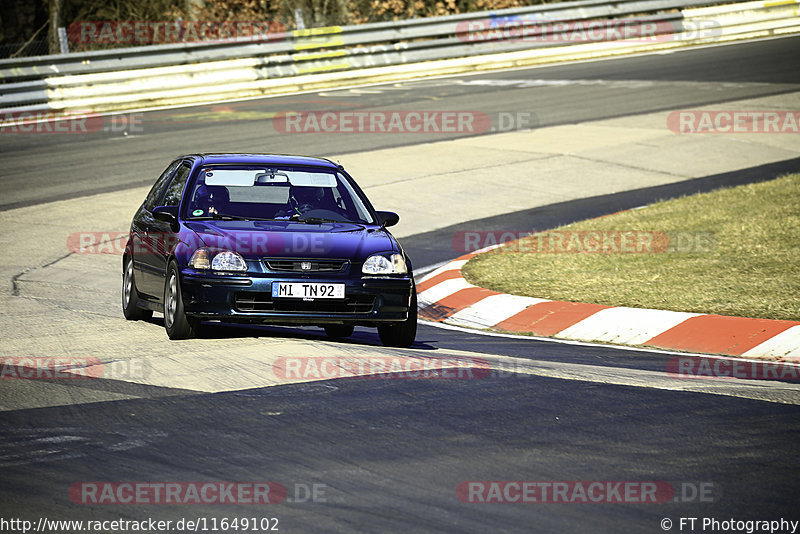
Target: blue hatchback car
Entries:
(257, 238)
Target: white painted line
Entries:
(440, 291)
(449, 266)
(786, 344)
(625, 325)
(576, 342)
(492, 310)
(421, 272)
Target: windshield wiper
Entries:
(353, 226)
(314, 220)
(229, 218)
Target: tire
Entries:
(130, 297)
(176, 323)
(401, 334)
(339, 331)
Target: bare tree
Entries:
(194, 8)
(56, 8)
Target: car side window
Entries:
(175, 190)
(158, 188)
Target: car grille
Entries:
(296, 265)
(251, 301)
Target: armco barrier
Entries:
(175, 74)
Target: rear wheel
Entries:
(338, 331)
(401, 334)
(130, 297)
(177, 324)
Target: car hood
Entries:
(258, 239)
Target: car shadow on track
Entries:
(361, 336)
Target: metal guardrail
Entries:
(332, 37)
(175, 73)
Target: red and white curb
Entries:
(445, 296)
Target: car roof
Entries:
(262, 159)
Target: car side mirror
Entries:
(167, 214)
(387, 218)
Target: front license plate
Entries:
(307, 290)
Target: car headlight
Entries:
(225, 260)
(228, 261)
(380, 264)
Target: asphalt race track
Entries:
(389, 455)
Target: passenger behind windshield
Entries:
(210, 200)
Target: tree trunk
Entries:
(55, 22)
(194, 8)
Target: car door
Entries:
(162, 235)
(143, 231)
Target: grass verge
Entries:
(733, 251)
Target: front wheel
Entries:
(401, 334)
(177, 324)
(130, 297)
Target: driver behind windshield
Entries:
(303, 199)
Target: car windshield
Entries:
(281, 193)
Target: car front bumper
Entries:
(248, 299)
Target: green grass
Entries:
(747, 263)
